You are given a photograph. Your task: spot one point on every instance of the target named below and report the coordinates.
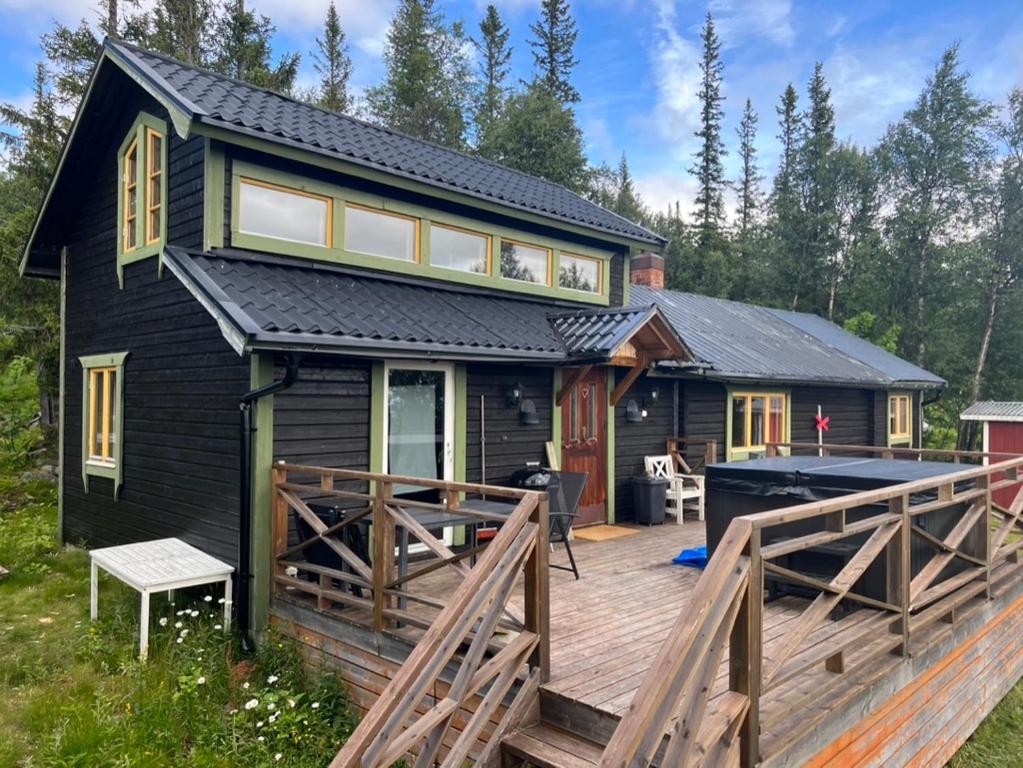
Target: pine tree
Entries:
(553, 49)
(333, 64)
(708, 168)
(495, 54)
(936, 158)
(182, 29)
(748, 185)
(425, 92)
(244, 52)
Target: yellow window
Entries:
(899, 422)
(283, 213)
(527, 263)
(131, 200)
(580, 273)
(102, 435)
(154, 183)
(757, 419)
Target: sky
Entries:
(638, 63)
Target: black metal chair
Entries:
(564, 491)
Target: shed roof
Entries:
(240, 107)
(991, 410)
(738, 341)
(589, 334)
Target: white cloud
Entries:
(365, 23)
(662, 189)
(743, 20)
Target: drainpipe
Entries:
(246, 433)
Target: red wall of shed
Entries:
(1005, 437)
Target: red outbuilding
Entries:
(1001, 425)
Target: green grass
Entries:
(74, 694)
(998, 742)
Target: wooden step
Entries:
(546, 746)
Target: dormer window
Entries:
(283, 213)
(525, 262)
(462, 249)
(580, 273)
(142, 191)
(381, 233)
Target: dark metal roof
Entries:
(891, 366)
(600, 334)
(743, 341)
(237, 106)
(990, 410)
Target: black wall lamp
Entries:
(513, 395)
(651, 397)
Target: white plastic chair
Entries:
(681, 488)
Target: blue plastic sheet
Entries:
(694, 558)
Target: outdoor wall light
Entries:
(651, 398)
(513, 395)
(527, 414)
(633, 413)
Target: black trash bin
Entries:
(648, 496)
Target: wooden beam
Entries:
(577, 375)
(623, 385)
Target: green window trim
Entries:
(742, 453)
(901, 440)
(90, 468)
(421, 266)
(142, 250)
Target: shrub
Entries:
(20, 433)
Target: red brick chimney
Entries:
(648, 269)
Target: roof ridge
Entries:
(113, 42)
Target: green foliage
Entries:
(494, 53)
(708, 167)
(243, 51)
(20, 434)
(426, 90)
(867, 325)
(553, 50)
(333, 64)
(75, 693)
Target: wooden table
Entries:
(162, 565)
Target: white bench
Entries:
(163, 565)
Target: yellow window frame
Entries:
(465, 230)
(416, 222)
(748, 417)
(600, 273)
(900, 422)
(130, 184)
(101, 414)
(329, 225)
(153, 177)
(536, 247)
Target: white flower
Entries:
(233, 712)
(272, 719)
(201, 681)
(259, 724)
(272, 679)
(178, 625)
(315, 705)
(278, 757)
(220, 601)
(260, 738)
(291, 571)
(217, 626)
(184, 632)
(181, 613)
(252, 703)
(270, 705)
(245, 686)
(291, 703)
(180, 640)
(208, 598)
(194, 614)
(163, 621)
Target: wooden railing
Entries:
(706, 453)
(931, 572)
(460, 629)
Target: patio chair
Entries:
(681, 488)
(565, 490)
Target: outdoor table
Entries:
(158, 566)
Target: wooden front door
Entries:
(584, 443)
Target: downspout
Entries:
(246, 433)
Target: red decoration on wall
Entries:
(822, 423)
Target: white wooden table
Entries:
(163, 565)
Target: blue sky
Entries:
(638, 62)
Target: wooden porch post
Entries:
(710, 453)
(538, 602)
(745, 654)
(383, 554)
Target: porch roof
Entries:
(271, 302)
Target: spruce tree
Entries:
(426, 89)
(553, 49)
(627, 203)
(182, 29)
(748, 185)
(708, 168)
(495, 53)
(333, 64)
(244, 51)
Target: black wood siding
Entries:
(182, 381)
(702, 414)
(616, 288)
(851, 412)
(323, 419)
(634, 442)
(185, 191)
(509, 444)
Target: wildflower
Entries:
(272, 679)
(259, 724)
(194, 614)
(260, 738)
(208, 598)
(233, 712)
(184, 632)
(180, 640)
(270, 705)
(178, 625)
(315, 705)
(201, 680)
(245, 685)
(163, 621)
(220, 601)
(291, 571)
(251, 703)
(291, 703)
(278, 756)
(217, 626)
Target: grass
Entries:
(74, 693)
(998, 742)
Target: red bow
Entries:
(822, 423)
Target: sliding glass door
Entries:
(419, 421)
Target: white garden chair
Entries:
(682, 489)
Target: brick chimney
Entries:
(647, 269)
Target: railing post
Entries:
(710, 453)
(279, 523)
(745, 653)
(899, 568)
(986, 532)
(537, 598)
(383, 554)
